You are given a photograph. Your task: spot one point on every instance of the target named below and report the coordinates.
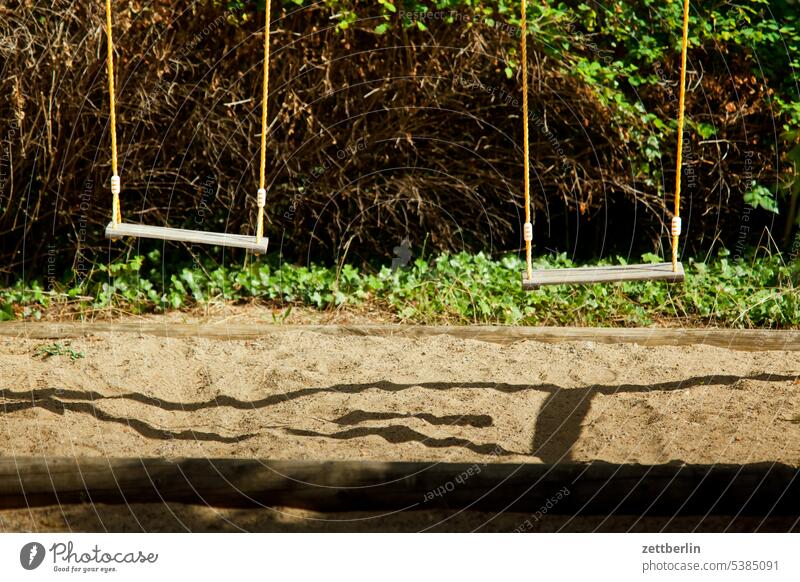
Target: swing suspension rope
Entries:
(261, 198)
(676, 219)
(116, 212)
(528, 228)
(262, 192)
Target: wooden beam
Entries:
(608, 274)
(735, 339)
(221, 239)
(594, 488)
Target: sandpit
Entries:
(301, 395)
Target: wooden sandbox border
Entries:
(736, 339)
(762, 489)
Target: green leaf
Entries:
(388, 5)
(761, 197)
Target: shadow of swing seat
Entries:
(606, 274)
(165, 233)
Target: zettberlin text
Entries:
(671, 549)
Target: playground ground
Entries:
(301, 395)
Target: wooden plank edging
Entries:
(585, 489)
(736, 339)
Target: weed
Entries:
(59, 349)
(279, 318)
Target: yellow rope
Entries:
(681, 107)
(525, 149)
(116, 212)
(263, 169)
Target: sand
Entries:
(300, 395)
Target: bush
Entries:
(395, 120)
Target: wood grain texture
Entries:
(735, 339)
(190, 236)
(609, 274)
(593, 488)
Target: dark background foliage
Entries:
(393, 121)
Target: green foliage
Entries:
(624, 50)
(760, 197)
(460, 288)
(59, 349)
(23, 301)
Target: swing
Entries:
(117, 228)
(673, 272)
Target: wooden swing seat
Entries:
(610, 274)
(189, 236)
